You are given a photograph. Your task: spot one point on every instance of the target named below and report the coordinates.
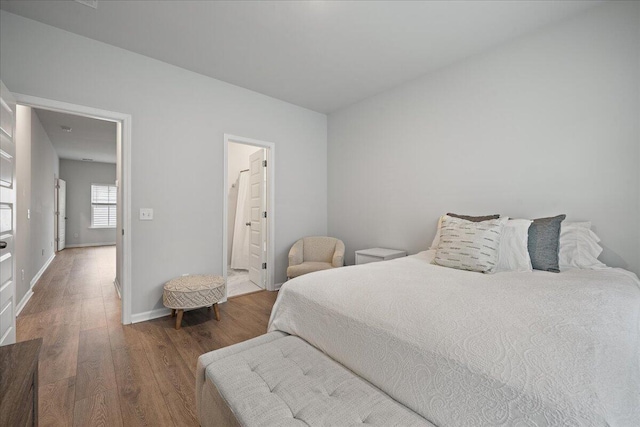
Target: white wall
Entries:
(237, 160)
(36, 167)
(44, 169)
(179, 122)
(79, 177)
(544, 125)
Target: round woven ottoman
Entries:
(195, 291)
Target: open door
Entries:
(62, 213)
(7, 217)
(258, 243)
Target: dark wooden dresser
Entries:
(19, 383)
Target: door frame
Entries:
(270, 197)
(124, 179)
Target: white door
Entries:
(258, 242)
(62, 213)
(7, 217)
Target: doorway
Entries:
(248, 215)
(106, 207)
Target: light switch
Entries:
(146, 214)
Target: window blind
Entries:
(103, 206)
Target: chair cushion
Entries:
(288, 382)
(318, 248)
(307, 267)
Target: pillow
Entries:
(513, 254)
(475, 218)
(579, 247)
(544, 243)
(436, 239)
(467, 245)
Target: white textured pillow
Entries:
(579, 247)
(513, 252)
(467, 245)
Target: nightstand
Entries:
(365, 256)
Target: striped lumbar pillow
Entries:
(467, 245)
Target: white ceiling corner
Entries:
(89, 138)
(322, 55)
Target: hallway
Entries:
(95, 371)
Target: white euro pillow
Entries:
(579, 247)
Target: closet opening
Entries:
(248, 215)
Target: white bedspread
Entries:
(467, 349)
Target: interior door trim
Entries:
(270, 197)
(125, 121)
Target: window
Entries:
(103, 206)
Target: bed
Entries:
(467, 349)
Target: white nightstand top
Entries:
(380, 252)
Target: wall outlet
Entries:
(185, 274)
(28, 213)
(146, 214)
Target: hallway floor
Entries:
(95, 371)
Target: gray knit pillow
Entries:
(469, 245)
(544, 243)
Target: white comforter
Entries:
(463, 348)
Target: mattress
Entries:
(467, 349)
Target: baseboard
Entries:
(278, 286)
(150, 315)
(160, 312)
(41, 271)
(118, 287)
(23, 301)
(88, 245)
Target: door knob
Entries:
(248, 223)
(3, 245)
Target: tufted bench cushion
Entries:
(281, 380)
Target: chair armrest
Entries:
(338, 255)
(295, 254)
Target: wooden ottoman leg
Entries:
(179, 318)
(173, 312)
(216, 311)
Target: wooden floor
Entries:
(95, 371)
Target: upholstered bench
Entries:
(195, 291)
(281, 380)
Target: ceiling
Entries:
(316, 54)
(89, 138)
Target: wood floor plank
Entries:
(102, 409)
(93, 314)
(122, 336)
(95, 376)
(95, 373)
(188, 346)
(171, 372)
(94, 344)
(140, 399)
(59, 353)
(36, 325)
(56, 403)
